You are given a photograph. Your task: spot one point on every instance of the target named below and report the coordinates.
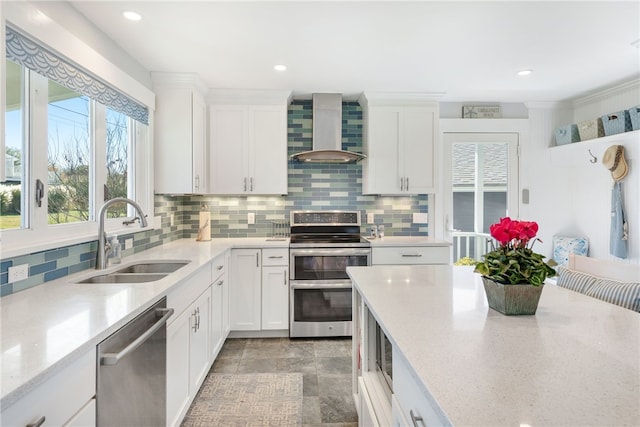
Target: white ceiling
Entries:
(469, 51)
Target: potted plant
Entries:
(513, 275)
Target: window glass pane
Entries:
(12, 213)
(69, 155)
(118, 161)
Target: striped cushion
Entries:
(626, 295)
(575, 280)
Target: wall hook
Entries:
(594, 159)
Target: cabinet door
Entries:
(226, 320)
(199, 341)
(244, 304)
(268, 149)
(216, 316)
(86, 417)
(417, 151)
(381, 171)
(198, 128)
(367, 414)
(173, 150)
(178, 367)
(229, 149)
(275, 298)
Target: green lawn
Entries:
(9, 221)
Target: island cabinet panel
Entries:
(412, 402)
(59, 398)
(394, 255)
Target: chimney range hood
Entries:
(327, 133)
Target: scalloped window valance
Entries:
(31, 54)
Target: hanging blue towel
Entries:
(619, 226)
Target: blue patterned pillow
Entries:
(563, 246)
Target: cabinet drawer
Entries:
(410, 255)
(59, 398)
(218, 267)
(412, 401)
(191, 288)
(276, 256)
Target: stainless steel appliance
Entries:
(132, 366)
(323, 244)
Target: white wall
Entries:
(570, 195)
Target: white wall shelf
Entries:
(577, 153)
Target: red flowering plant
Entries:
(514, 262)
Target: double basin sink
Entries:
(141, 272)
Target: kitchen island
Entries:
(575, 363)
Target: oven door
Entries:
(320, 310)
(326, 264)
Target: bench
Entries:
(608, 281)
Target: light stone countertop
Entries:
(576, 362)
(407, 241)
(47, 327)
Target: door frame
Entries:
(473, 126)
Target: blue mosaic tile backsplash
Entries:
(311, 187)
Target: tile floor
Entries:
(324, 363)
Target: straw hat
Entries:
(613, 159)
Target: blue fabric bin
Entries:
(634, 115)
(617, 122)
(567, 134)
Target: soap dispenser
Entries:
(115, 250)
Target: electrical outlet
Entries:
(370, 218)
(18, 272)
(128, 243)
(251, 218)
(420, 218)
(172, 220)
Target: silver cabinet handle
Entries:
(114, 358)
(198, 317)
(37, 423)
(220, 267)
(245, 183)
(195, 322)
(251, 184)
(285, 277)
(197, 182)
(257, 259)
(416, 419)
(411, 255)
(407, 183)
(220, 283)
(275, 257)
(401, 184)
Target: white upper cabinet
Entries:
(400, 143)
(180, 134)
(248, 153)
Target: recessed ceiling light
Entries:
(280, 67)
(524, 72)
(131, 16)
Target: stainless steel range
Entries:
(323, 244)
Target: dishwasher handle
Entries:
(114, 358)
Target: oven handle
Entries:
(330, 251)
(320, 285)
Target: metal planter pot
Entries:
(512, 300)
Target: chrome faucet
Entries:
(101, 257)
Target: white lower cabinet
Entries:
(219, 304)
(414, 255)
(412, 402)
(259, 295)
(62, 400)
(188, 342)
(367, 414)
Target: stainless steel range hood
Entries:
(327, 133)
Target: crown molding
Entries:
(178, 80)
(608, 92)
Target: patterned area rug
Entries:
(247, 400)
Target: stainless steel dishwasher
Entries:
(132, 368)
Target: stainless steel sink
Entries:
(153, 267)
(124, 278)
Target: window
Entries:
(76, 137)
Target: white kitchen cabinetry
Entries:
(394, 255)
(275, 289)
(180, 135)
(400, 143)
(245, 293)
(188, 342)
(219, 304)
(47, 402)
(248, 149)
(412, 402)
